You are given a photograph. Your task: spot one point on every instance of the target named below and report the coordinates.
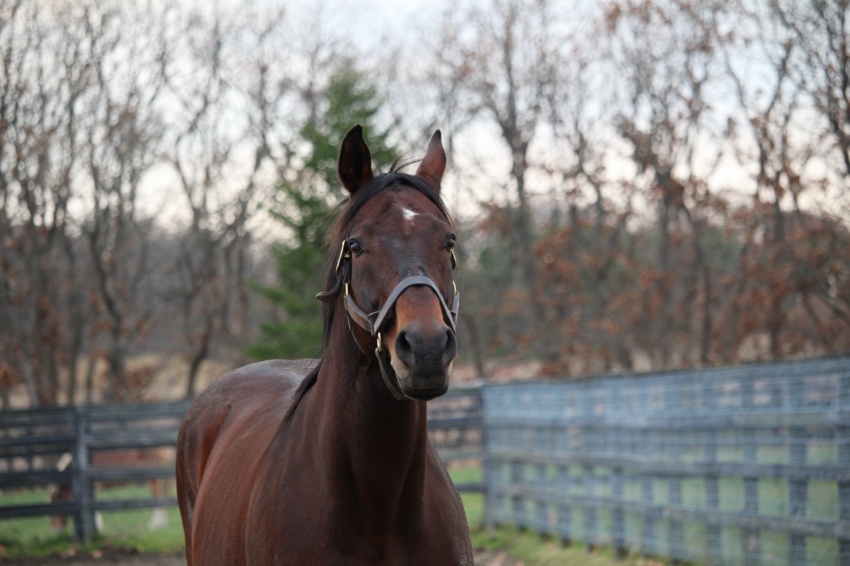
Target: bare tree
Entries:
(776, 121)
(43, 78)
(589, 237)
(225, 174)
(122, 134)
(820, 32)
(665, 52)
(498, 62)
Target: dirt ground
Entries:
(99, 558)
(125, 558)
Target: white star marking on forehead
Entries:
(408, 214)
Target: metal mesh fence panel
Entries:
(745, 465)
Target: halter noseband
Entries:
(373, 323)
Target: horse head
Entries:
(395, 269)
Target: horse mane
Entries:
(349, 208)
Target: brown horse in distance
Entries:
(278, 465)
(117, 459)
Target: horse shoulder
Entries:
(223, 437)
(241, 392)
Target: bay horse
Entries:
(280, 465)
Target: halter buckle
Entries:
(342, 255)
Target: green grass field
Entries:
(127, 529)
(532, 549)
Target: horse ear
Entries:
(355, 162)
(434, 163)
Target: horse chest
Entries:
(304, 525)
(321, 548)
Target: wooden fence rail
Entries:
(747, 465)
(32, 442)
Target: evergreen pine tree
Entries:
(306, 209)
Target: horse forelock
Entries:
(374, 187)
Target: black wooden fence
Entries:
(33, 441)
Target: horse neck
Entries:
(368, 440)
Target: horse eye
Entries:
(356, 247)
(450, 242)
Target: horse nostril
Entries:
(416, 345)
(404, 349)
(450, 348)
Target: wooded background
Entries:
(637, 184)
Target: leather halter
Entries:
(374, 322)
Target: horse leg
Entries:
(61, 493)
(58, 494)
(159, 517)
(195, 441)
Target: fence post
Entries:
(589, 512)
(621, 445)
(543, 527)
(647, 530)
(488, 472)
(750, 539)
(844, 516)
(674, 403)
(843, 552)
(710, 480)
(518, 502)
(676, 533)
(84, 525)
(797, 486)
(618, 524)
(797, 509)
(796, 549)
(565, 533)
(842, 439)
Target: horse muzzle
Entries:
(424, 352)
(416, 359)
(424, 346)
